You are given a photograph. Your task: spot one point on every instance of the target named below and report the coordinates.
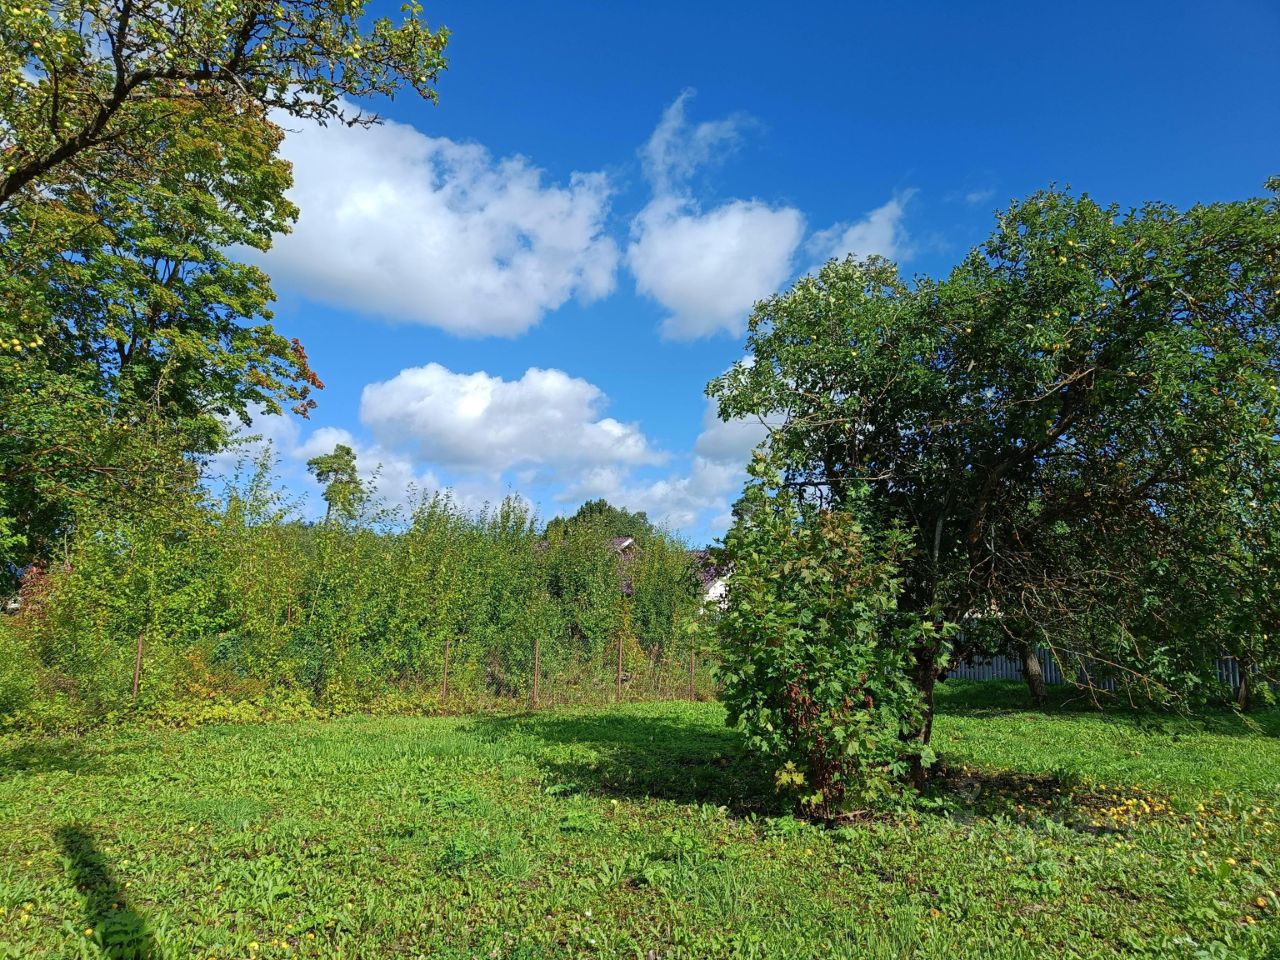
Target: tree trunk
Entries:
(1246, 687)
(925, 677)
(1033, 673)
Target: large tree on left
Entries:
(86, 85)
(138, 152)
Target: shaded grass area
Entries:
(641, 831)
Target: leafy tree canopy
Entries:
(604, 516)
(123, 307)
(140, 151)
(1052, 424)
(336, 471)
(86, 87)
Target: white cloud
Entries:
(478, 421)
(675, 502)
(715, 478)
(675, 150)
(393, 478)
(496, 436)
(428, 230)
(706, 267)
(728, 441)
(274, 433)
(880, 232)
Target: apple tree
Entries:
(1045, 425)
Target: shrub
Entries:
(237, 599)
(817, 658)
(18, 677)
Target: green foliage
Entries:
(665, 595)
(816, 655)
(65, 451)
(125, 316)
(236, 599)
(585, 575)
(80, 82)
(141, 151)
(11, 542)
(1056, 426)
(336, 471)
(645, 827)
(602, 515)
(18, 674)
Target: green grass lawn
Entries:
(638, 832)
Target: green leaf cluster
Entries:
(1075, 431)
(236, 598)
(816, 653)
(139, 160)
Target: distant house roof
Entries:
(705, 566)
(622, 544)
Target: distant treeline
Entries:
(236, 599)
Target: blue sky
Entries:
(526, 287)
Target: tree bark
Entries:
(925, 677)
(1246, 687)
(1033, 672)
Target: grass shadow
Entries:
(992, 698)
(642, 757)
(122, 932)
(60, 755)
(968, 795)
(46, 757)
(646, 756)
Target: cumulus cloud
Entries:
(728, 442)
(493, 437)
(478, 421)
(716, 475)
(880, 232)
(675, 502)
(427, 230)
(706, 267)
(395, 479)
(392, 477)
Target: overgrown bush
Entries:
(1077, 428)
(17, 672)
(816, 656)
(236, 599)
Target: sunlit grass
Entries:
(636, 832)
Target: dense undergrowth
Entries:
(234, 608)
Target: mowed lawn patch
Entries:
(641, 831)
